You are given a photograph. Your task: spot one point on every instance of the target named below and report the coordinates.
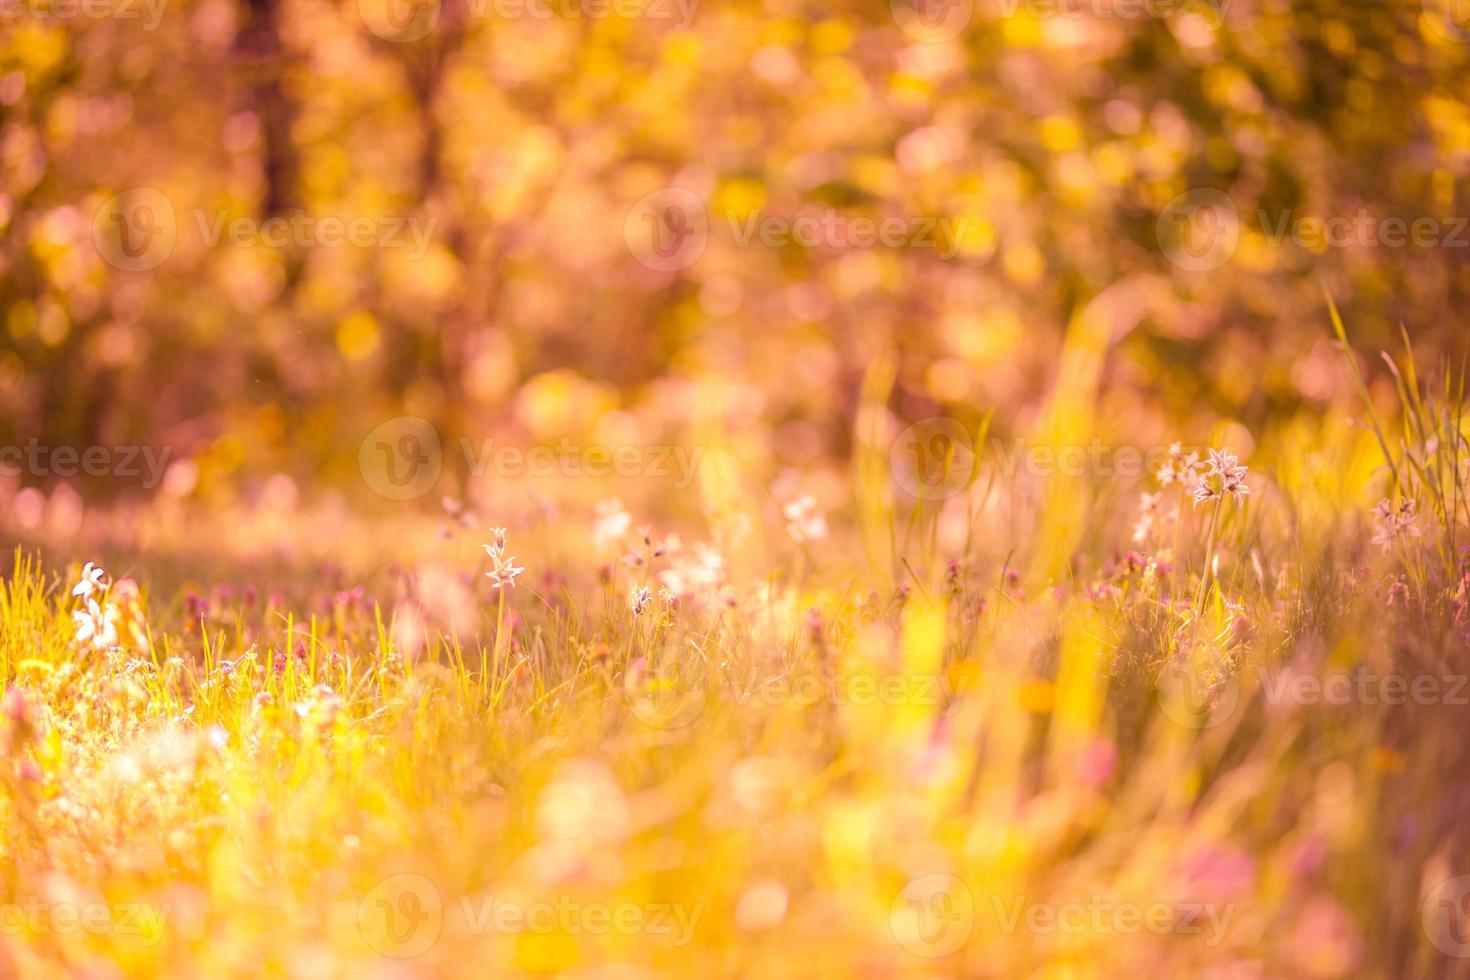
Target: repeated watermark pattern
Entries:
(933, 21)
(406, 21)
(143, 921)
(856, 690)
(669, 230)
(1445, 915)
(149, 13)
(933, 916)
(671, 689)
(1450, 19)
(1203, 696)
(403, 458)
(403, 916)
(937, 914)
(309, 231)
(1200, 230)
(145, 464)
(936, 458)
(139, 228)
(1212, 12)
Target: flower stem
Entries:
(499, 627)
(1204, 579)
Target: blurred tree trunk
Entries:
(425, 79)
(425, 63)
(259, 50)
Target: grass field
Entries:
(984, 714)
(622, 489)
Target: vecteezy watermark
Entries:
(1200, 230)
(34, 916)
(138, 230)
(1096, 458)
(1099, 915)
(1212, 12)
(934, 458)
(566, 458)
(402, 459)
(1450, 19)
(932, 21)
(669, 688)
(836, 230)
(669, 230)
(309, 231)
(403, 916)
(944, 20)
(935, 915)
(806, 690)
(403, 21)
(1363, 685)
(135, 230)
(150, 12)
(1202, 695)
(937, 458)
(1445, 916)
(1365, 230)
(123, 462)
(1197, 695)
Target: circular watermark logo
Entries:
(667, 230)
(1191, 698)
(401, 459)
(401, 916)
(1446, 916)
(135, 230)
(399, 21)
(1450, 19)
(933, 916)
(1199, 230)
(934, 459)
(668, 688)
(932, 21)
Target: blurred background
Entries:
(480, 210)
(280, 279)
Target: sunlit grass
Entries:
(927, 741)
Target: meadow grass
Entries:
(1029, 729)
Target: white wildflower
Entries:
(96, 625)
(804, 523)
(1395, 522)
(91, 581)
(503, 568)
(1225, 477)
(613, 521)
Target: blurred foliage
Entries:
(524, 141)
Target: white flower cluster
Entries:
(1392, 522)
(96, 621)
(503, 568)
(1225, 477)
